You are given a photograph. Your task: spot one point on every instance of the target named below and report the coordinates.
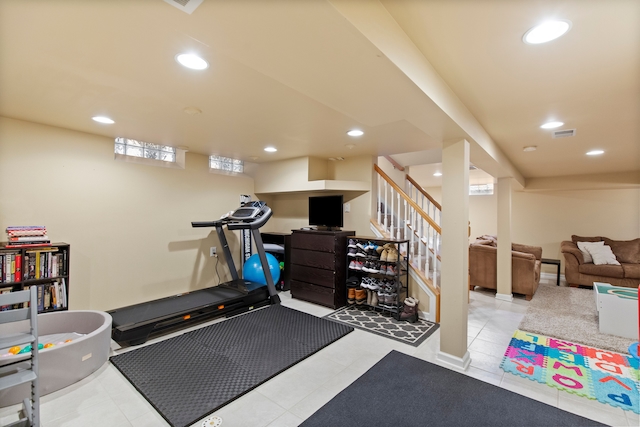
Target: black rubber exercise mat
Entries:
(401, 390)
(190, 376)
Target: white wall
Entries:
(546, 218)
(129, 225)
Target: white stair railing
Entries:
(402, 217)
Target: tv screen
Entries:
(326, 211)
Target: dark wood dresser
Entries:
(319, 266)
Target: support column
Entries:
(454, 287)
(504, 291)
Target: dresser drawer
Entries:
(314, 242)
(313, 293)
(324, 260)
(314, 275)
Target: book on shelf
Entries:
(10, 245)
(18, 268)
(26, 231)
(29, 239)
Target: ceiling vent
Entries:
(187, 6)
(564, 133)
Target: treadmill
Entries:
(134, 324)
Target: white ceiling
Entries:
(298, 75)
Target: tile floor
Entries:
(106, 399)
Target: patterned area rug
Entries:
(605, 376)
(382, 324)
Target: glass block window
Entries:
(145, 150)
(481, 190)
(226, 164)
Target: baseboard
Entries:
(504, 297)
(455, 362)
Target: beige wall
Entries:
(546, 218)
(129, 225)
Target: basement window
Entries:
(226, 165)
(132, 150)
(481, 190)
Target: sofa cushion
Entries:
(575, 239)
(602, 270)
(631, 271)
(626, 251)
(585, 249)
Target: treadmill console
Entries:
(248, 211)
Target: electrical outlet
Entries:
(213, 251)
(347, 207)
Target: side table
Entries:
(555, 262)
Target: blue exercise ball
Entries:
(252, 270)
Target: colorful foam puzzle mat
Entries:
(608, 377)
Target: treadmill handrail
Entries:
(206, 223)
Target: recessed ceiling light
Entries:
(551, 125)
(530, 148)
(103, 119)
(192, 61)
(355, 132)
(437, 174)
(270, 149)
(595, 152)
(547, 31)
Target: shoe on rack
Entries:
(392, 254)
(409, 311)
(366, 266)
(361, 296)
(352, 265)
(369, 293)
(374, 267)
(374, 299)
(361, 253)
(351, 296)
(352, 252)
(352, 243)
(383, 268)
(391, 270)
(353, 281)
(360, 245)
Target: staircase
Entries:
(413, 215)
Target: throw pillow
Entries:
(603, 255)
(583, 246)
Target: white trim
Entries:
(454, 361)
(504, 297)
(375, 230)
(431, 315)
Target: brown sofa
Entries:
(525, 266)
(577, 272)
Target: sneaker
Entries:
(365, 266)
(361, 296)
(352, 252)
(359, 265)
(383, 268)
(366, 282)
(361, 253)
(359, 245)
(352, 265)
(352, 243)
(391, 270)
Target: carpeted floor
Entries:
(402, 390)
(569, 314)
(190, 376)
(384, 325)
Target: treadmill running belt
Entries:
(164, 307)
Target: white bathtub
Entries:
(62, 365)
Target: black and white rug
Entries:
(382, 324)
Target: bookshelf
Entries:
(46, 267)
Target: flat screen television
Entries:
(325, 212)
